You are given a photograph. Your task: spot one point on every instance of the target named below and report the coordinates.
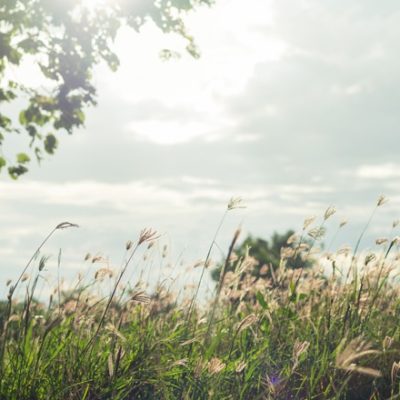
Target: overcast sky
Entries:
(294, 106)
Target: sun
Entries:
(93, 3)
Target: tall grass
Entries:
(292, 334)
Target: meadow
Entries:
(326, 332)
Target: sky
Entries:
(293, 106)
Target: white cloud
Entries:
(378, 171)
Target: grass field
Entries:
(319, 333)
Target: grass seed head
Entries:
(317, 233)
(308, 221)
(387, 343)
(65, 225)
(235, 202)
(147, 235)
(329, 212)
(247, 322)
(381, 201)
(355, 350)
(380, 241)
(215, 366)
(395, 371)
(240, 367)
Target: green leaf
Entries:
(3, 163)
(23, 158)
(50, 143)
(29, 45)
(292, 287)
(261, 300)
(17, 171)
(22, 118)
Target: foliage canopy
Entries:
(268, 254)
(66, 39)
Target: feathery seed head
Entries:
(235, 202)
(215, 365)
(381, 201)
(317, 233)
(380, 241)
(64, 225)
(147, 235)
(329, 212)
(247, 322)
(240, 367)
(308, 221)
(395, 371)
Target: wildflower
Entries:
(275, 384)
(128, 245)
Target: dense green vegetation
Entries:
(297, 334)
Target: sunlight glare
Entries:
(92, 4)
